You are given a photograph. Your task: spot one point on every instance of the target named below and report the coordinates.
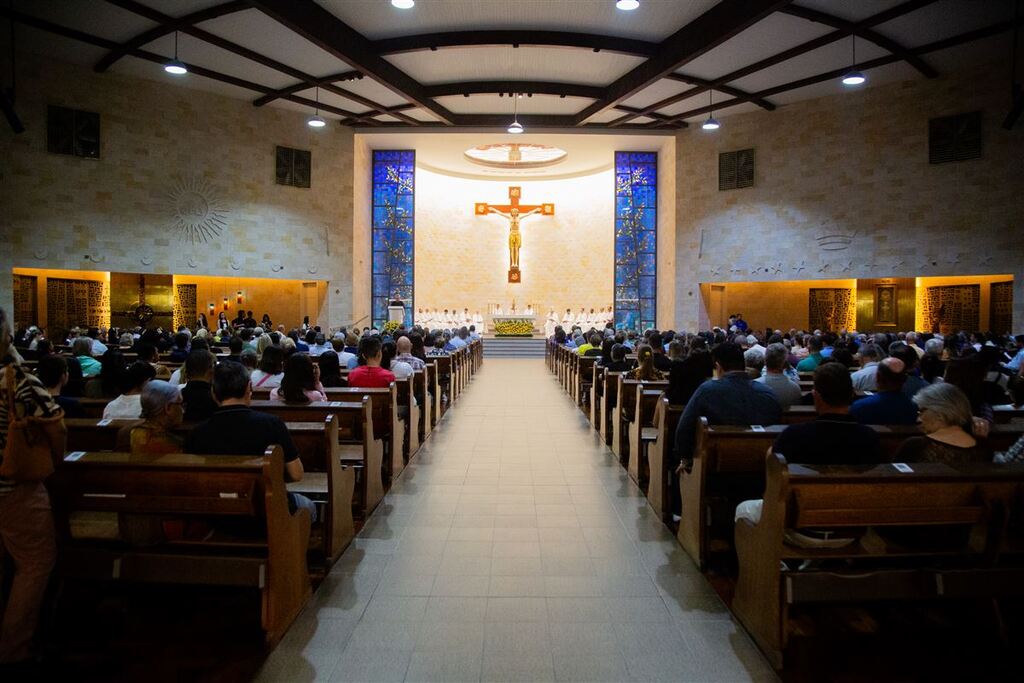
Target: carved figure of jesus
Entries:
(515, 238)
(514, 212)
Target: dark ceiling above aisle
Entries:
(580, 63)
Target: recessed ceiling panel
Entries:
(179, 8)
(852, 11)
(770, 36)
(945, 19)
(722, 116)
(334, 100)
(695, 102)
(826, 58)
(371, 89)
(199, 52)
(657, 92)
(491, 104)
(884, 74)
(258, 32)
(147, 70)
(655, 20)
(565, 65)
(95, 18)
(53, 47)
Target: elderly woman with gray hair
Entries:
(944, 414)
(26, 521)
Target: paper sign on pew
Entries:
(903, 467)
(73, 456)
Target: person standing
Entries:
(26, 520)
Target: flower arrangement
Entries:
(390, 327)
(513, 328)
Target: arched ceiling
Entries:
(580, 63)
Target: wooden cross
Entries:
(514, 212)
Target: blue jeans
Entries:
(297, 501)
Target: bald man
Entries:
(889, 405)
(405, 354)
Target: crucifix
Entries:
(514, 212)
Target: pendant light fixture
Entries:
(403, 4)
(176, 67)
(853, 77)
(515, 127)
(316, 121)
(627, 5)
(712, 123)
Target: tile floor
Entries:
(515, 548)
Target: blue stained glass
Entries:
(393, 231)
(636, 239)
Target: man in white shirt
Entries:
(478, 322)
(567, 320)
(98, 347)
(129, 404)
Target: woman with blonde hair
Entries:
(262, 342)
(645, 371)
(945, 418)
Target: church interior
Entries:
(558, 223)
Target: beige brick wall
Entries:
(114, 213)
(856, 165)
(462, 259)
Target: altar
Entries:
(513, 325)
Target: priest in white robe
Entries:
(478, 322)
(551, 324)
(568, 320)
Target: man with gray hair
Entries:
(786, 390)
(865, 378)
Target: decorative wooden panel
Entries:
(293, 166)
(71, 303)
(26, 301)
(1000, 318)
(831, 309)
(185, 312)
(736, 169)
(953, 308)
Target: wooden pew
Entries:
(359, 446)
(968, 505)
(583, 385)
(443, 385)
(659, 460)
(178, 485)
(326, 480)
(596, 389)
(420, 388)
(624, 415)
(606, 411)
(642, 431)
(728, 467)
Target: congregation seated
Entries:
(181, 346)
(148, 352)
(237, 429)
(618, 359)
(404, 347)
(834, 437)
(370, 374)
(865, 378)
(945, 416)
(911, 361)
(301, 381)
(330, 370)
(689, 373)
(248, 359)
(52, 371)
(400, 369)
(82, 350)
(107, 384)
(661, 362)
(888, 405)
(128, 404)
(786, 390)
(814, 357)
(197, 393)
(645, 370)
(271, 369)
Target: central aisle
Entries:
(515, 548)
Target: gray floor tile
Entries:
(444, 667)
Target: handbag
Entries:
(27, 454)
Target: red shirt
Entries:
(369, 378)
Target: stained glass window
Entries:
(636, 240)
(394, 182)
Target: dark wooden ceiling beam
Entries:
(653, 115)
(785, 55)
(946, 43)
(242, 51)
(122, 50)
(449, 39)
(509, 87)
(727, 89)
(865, 33)
(81, 36)
(302, 85)
(720, 23)
(326, 31)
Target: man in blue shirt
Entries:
(730, 399)
(741, 324)
(890, 406)
(1018, 359)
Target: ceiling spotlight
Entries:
(627, 5)
(403, 4)
(515, 127)
(853, 77)
(176, 67)
(316, 121)
(712, 123)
